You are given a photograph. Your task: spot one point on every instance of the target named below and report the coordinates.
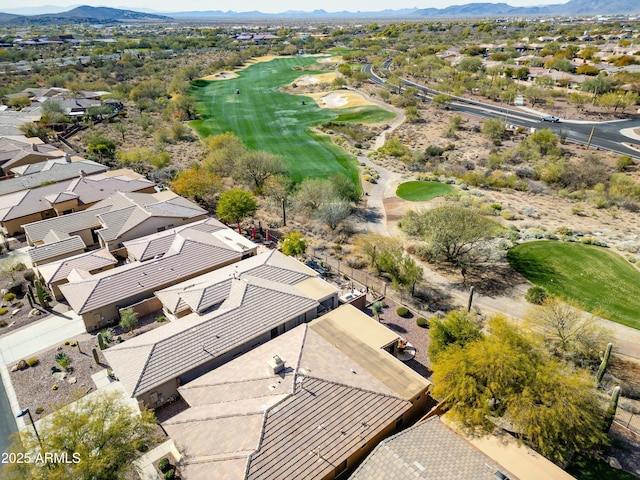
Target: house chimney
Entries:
(34, 147)
(276, 364)
(83, 174)
(67, 157)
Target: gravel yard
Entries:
(34, 386)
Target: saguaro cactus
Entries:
(95, 356)
(43, 295)
(604, 356)
(611, 411)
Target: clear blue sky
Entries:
(273, 6)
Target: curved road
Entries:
(606, 135)
(627, 340)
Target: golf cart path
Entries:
(385, 208)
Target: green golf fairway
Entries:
(419, 191)
(596, 279)
(267, 119)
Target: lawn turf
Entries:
(267, 119)
(596, 279)
(420, 191)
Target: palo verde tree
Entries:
(235, 205)
(506, 378)
(101, 436)
(451, 232)
(567, 332)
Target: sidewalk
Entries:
(42, 335)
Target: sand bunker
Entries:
(228, 75)
(220, 76)
(308, 80)
(339, 99)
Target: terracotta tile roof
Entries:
(312, 431)
(310, 421)
(59, 270)
(251, 309)
(427, 450)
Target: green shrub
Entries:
(422, 322)
(63, 360)
(39, 410)
(160, 318)
(164, 465)
(3, 310)
(3, 324)
(33, 361)
(403, 312)
(170, 474)
(536, 294)
(9, 297)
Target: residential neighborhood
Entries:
(371, 243)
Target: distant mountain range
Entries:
(86, 14)
(83, 14)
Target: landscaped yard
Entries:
(267, 119)
(594, 278)
(419, 191)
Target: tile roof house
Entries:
(300, 406)
(120, 217)
(98, 298)
(35, 204)
(222, 315)
(56, 273)
(50, 171)
(435, 448)
(428, 450)
(14, 152)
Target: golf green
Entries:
(596, 279)
(420, 191)
(253, 107)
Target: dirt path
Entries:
(384, 210)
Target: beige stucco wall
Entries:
(71, 204)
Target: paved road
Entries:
(606, 135)
(7, 420)
(627, 340)
(24, 343)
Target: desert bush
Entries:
(536, 295)
(160, 318)
(9, 297)
(33, 361)
(422, 322)
(39, 410)
(403, 312)
(3, 324)
(3, 310)
(164, 465)
(170, 474)
(15, 287)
